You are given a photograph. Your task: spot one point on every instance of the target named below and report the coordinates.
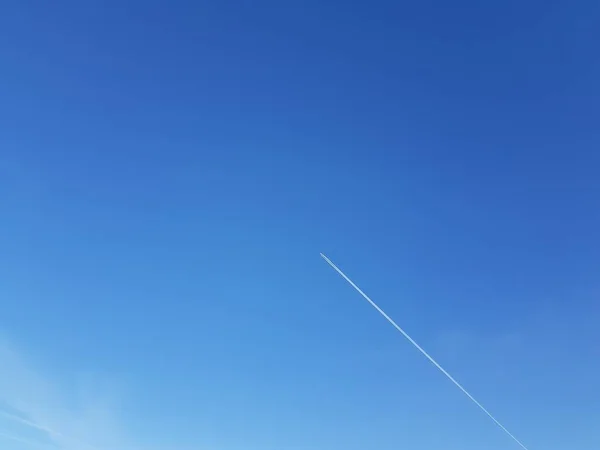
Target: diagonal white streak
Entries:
(16, 418)
(24, 441)
(412, 341)
(51, 433)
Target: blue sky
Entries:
(170, 171)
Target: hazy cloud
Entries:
(43, 412)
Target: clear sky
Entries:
(170, 171)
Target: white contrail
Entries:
(390, 320)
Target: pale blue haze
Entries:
(170, 171)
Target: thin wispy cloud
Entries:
(28, 442)
(44, 414)
(15, 418)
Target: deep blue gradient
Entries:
(170, 171)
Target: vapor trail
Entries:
(411, 340)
